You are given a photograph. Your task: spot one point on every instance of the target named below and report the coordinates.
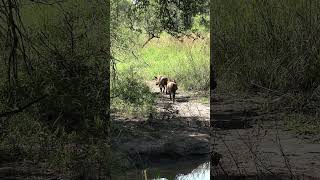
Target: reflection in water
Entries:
(202, 172)
(191, 168)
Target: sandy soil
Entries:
(186, 105)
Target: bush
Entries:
(25, 139)
(62, 55)
(130, 95)
(67, 64)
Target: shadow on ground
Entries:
(169, 133)
(252, 141)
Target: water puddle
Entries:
(181, 170)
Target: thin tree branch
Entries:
(8, 113)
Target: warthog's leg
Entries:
(174, 96)
(170, 95)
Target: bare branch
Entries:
(151, 36)
(8, 113)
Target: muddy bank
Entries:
(253, 141)
(160, 137)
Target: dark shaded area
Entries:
(233, 120)
(233, 124)
(54, 89)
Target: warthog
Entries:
(172, 87)
(162, 82)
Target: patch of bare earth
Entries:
(253, 141)
(176, 129)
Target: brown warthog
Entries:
(172, 87)
(162, 82)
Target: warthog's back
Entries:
(172, 86)
(163, 81)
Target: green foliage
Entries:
(187, 61)
(303, 124)
(66, 46)
(25, 138)
(62, 54)
(201, 24)
(130, 95)
(155, 17)
(268, 43)
(271, 45)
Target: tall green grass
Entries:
(271, 43)
(185, 60)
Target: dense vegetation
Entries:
(150, 39)
(54, 84)
(272, 43)
(270, 46)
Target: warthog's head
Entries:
(157, 80)
(176, 85)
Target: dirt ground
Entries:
(176, 133)
(252, 141)
(176, 129)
